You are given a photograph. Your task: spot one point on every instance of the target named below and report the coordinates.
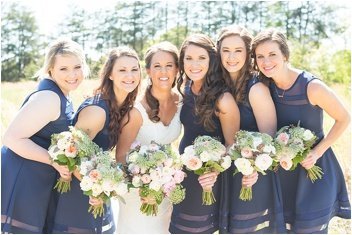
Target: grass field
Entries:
(13, 94)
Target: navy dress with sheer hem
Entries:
(262, 214)
(190, 216)
(28, 201)
(308, 207)
(72, 214)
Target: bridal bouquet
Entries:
(252, 151)
(206, 155)
(67, 148)
(157, 171)
(102, 178)
(292, 145)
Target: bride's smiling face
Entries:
(162, 70)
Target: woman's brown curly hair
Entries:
(106, 89)
(152, 102)
(237, 86)
(214, 85)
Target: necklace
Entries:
(280, 95)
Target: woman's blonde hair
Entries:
(62, 46)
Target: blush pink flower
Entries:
(286, 162)
(94, 175)
(179, 176)
(193, 163)
(283, 138)
(146, 178)
(246, 152)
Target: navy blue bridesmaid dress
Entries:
(28, 201)
(190, 216)
(308, 207)
(72, 214)
(263, 214)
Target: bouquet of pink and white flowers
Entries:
(67, 148)
(102, 178)
(157, 171)
(292, 144)
(206, 155)
(252, 151)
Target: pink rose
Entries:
(286, 162)
(246, 152)
(146, 179)
(71, 151)
(283, 138)
(168, 187)
(94, 175)
(179, 176)
(193, 163)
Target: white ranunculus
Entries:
(155, 185)
(226, 162)
(205, 156)
(248, 171)
(108, 185)
(63, 143)
(189, 151)
(307, 135)
(86, 183)
(268, 149)
(263, 161)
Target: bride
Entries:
(155, 118)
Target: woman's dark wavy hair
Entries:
(239, 85)
(269, 35)
(152, 102)
(106, 90)
(213, 86)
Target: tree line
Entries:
(140, 24)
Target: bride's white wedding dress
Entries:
(130, 219)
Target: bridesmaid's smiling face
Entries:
(196, 62)
(125, 74)
(233, 54)
(163, 70)
(270, 59)
(67, 72)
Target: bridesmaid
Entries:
(100, 117)
(27, 173)
(257, 113)
(156, 117)
(208, 109)
(300, 97)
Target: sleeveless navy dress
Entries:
(190, 216)
(72, 214)
(28, 200)
(263, 214)
(308, 207)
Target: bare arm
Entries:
(42, 108)
(91, 120)
(229, 116)
(263, 108)
(321, 95)
(128, 134)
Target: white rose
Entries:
(205, 156)
(154, 175)
(242, 164)
(54, 151)
(263, 161)
(96, 190)
(63, 143)
(86, 183)
(155, 185)
(307, 135)
(121, 189)
(248, 171)
(136, 181)
(108, 186)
